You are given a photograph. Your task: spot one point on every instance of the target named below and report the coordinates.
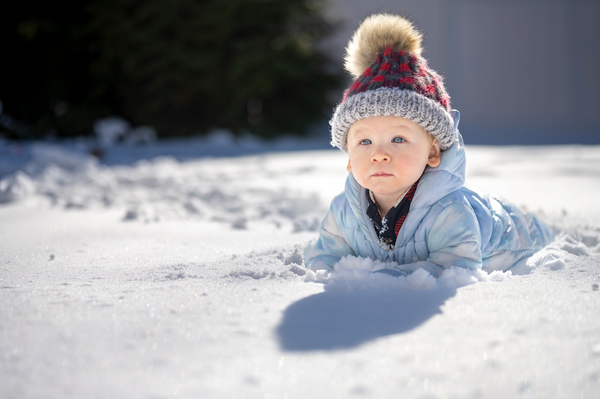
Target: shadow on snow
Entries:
(342, 319)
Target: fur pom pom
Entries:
(374, 35)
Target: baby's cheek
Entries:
(410, 167)
(361, 176)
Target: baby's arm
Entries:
(454, 239)
(329, 248)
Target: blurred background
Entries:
(520, 71)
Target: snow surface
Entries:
(182, 276)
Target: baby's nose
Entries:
(380, 155)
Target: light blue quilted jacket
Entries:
(448, 225)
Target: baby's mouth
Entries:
(381, 174)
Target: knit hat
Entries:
(391, 78)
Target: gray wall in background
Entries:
(520, 72)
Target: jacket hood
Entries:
(447, 177)
(435, 184)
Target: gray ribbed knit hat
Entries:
(398, 82)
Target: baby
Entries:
(404, 200)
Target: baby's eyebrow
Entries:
(359, 131)
(401, 125)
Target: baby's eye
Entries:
(398, 140)
(365, 142)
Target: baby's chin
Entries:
(384, 185)
(386, 190)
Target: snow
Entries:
(355, 273)
(163, 271)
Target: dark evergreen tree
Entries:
(44, 73)
(182, 66)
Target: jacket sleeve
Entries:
(329, 248)
(454, 239)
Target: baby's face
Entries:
(388, 154)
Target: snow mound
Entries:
(356, 273)
(44, 155)
(15, 187)
(114, 129)
(279, 263)
(275, 265)
(563, 251)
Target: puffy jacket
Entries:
(447, 225)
